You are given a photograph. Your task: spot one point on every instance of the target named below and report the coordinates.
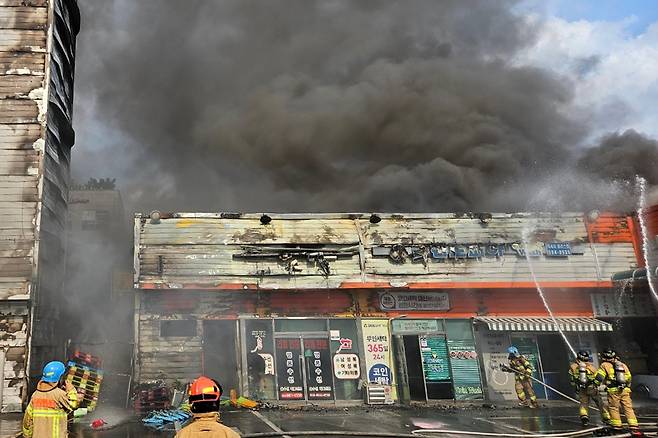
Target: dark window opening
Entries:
(180, 327)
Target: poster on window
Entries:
(319, 379)
(288, 369)
(434, 352)
(376, 343)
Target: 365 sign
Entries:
(376, 343)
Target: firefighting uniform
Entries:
(523, 383)
(619, 394)
(46, 415)
(206, 426)
(588, 392)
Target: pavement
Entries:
(500, 419)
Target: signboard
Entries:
(442, 252)
(465, 370)
(414, 301)
(434, 352)
(288, 367)
(318, 369)
(608, 305)
(376, 343)
(557, 249)
(402, 326)
(346, 366)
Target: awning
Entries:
(544, 324)
(634, 274)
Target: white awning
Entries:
(544, 324)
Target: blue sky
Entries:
(644, 12)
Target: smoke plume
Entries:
(334, 106)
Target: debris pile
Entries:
(162, 420)
(85, 374)
(151, 396)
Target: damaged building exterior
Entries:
(37, 57)
(339, 307)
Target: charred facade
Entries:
(323, 306)
(37, 59)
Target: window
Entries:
(179, 327)
(88, 220)
(301, 325)
(95, 220)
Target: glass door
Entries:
(289, 366)
(317, 368)
(304, 370)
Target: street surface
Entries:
(364, 419)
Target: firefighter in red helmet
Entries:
(204, 396)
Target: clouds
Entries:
(614, 71)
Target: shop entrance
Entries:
(427, 367)
(554, 362)
(220, 356)
(304, 371)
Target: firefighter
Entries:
(204, 397)
(47, 413)
(582, 374)
(616, 377)
(522, 370)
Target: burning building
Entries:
(37, 57)
(313, 307)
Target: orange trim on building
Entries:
(609, 228)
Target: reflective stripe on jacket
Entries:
(46, 415)
(521, 365)
(606, 375)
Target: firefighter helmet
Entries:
(584, 356)
(608, 354)
(53, 371)
(513, 351)
(204, 389)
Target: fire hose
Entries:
(422, 432)
(508, 369)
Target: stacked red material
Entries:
(152, 399)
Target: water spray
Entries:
(642, 186)
(524, 236)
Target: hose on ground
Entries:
(421, 432)
(573, 434)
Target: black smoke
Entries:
(331, 105)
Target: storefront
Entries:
(302, 359)
(436, 359)
(540, 342)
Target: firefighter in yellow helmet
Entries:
(522, 370)
(582, 374)
(46, 415)
(616, 377)
(204, 397)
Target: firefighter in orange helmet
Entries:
(204, 396)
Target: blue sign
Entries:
(380, 374)
(558, 249)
